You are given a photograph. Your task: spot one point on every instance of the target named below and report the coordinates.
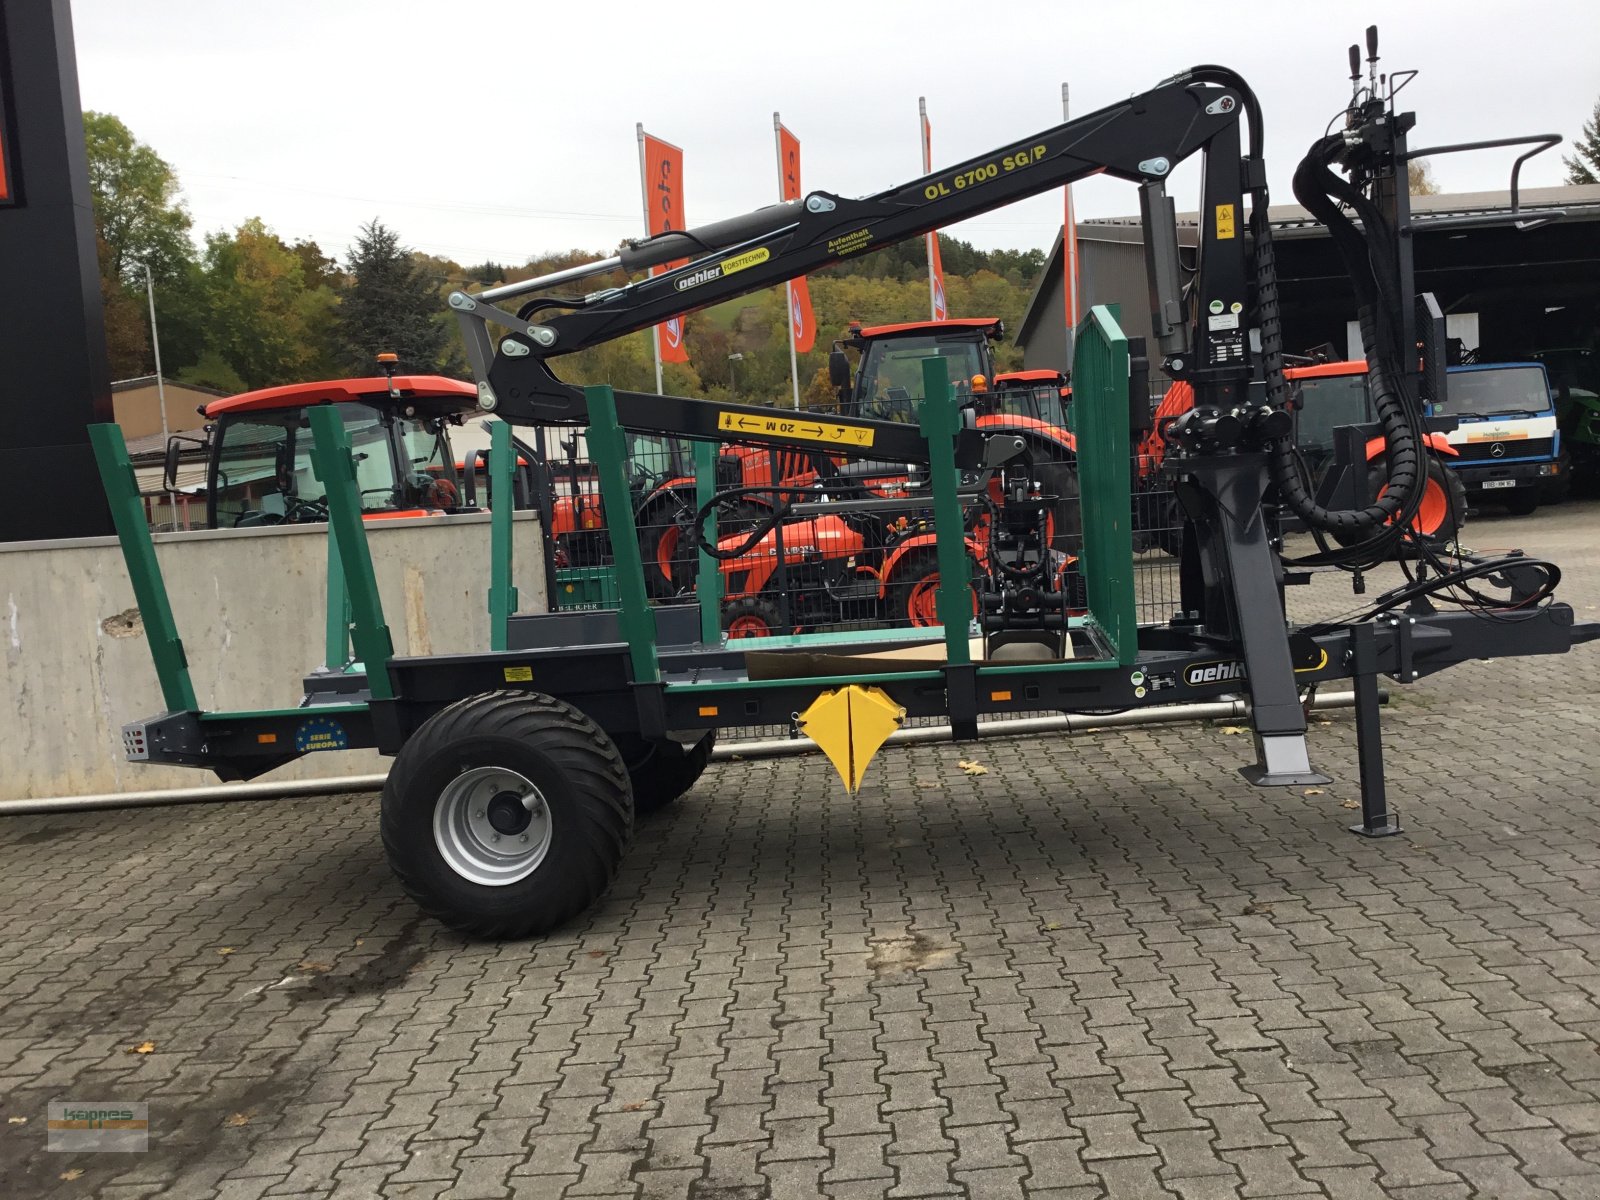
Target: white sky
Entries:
(505, 130)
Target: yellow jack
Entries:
(851, 724)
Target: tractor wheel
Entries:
(506, 814)
(661, 771)
(663, 549)
(913, 593)
(1444, 503)
(751, 618)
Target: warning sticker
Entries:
(1224, 221)
(801, 429)
(519, 674)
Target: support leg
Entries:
(1376, 819)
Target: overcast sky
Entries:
(500, 131)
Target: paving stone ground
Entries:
(1107, 967)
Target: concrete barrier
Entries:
(74, 664)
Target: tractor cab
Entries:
(887, 384)
(258, 449)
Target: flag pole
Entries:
(644, 204)
(927, 168)
(788, 286)
(1069, 253)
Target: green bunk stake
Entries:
(335, 468)
(609, 451)
(708, 583)
(139, 552)
(336, 642)
(502, 592)
(938, 421)
(1099, 420)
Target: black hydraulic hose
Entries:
(1390, 514)
(763, 527)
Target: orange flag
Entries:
(941, 311)
(802, 333)
(661, 167)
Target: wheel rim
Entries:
(666, 551)
(1431, 512)
(748, 625)
(922, 605)
(492, 826)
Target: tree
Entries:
(1584, 165)
(266, 325)
(140, 220)
(393, 304)
(1419, 178)
(136, 205)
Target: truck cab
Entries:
(1506, 438)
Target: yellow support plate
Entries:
(850, 725)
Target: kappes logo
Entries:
(674, 329)
(1219, 672)
(938, 299)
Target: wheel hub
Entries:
(492, 826)
(507, 813)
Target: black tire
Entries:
(751, 617)
(1447, 481)
(662, 771)
(1522, 501)
(1559, 486)
(580, 779)
(912, 595)
(663, 519)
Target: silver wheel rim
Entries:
(492, 826)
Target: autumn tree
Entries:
(1419, 178)
(140, 221)
(393, 305)
(266, 325)
(1584, 165)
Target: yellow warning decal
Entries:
(519, 674)
(1224, 221)
(748, 259)
(799, 428)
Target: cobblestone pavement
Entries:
(1107, 967)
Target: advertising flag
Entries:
(802, 335)
(661, 171)
(1069, 251)
(941, 311)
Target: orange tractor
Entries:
(855, 542)
(1328, 395)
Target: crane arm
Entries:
(1141, 139)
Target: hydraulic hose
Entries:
(1388, 516)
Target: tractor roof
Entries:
(914, 327)
(1322, 370)
(1040, 375)
(453, 392)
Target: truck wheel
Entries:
(506, 814)
(1520, 502)
(661, 771)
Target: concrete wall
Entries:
(249, 603)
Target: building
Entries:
(137, 406)
(1510, 282)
